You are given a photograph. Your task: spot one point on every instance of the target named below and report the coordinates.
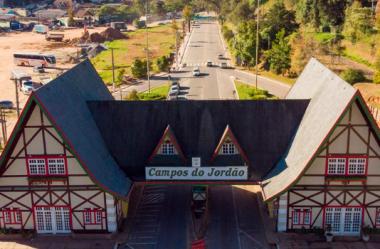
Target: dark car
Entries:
(37, 69)
(6, 104)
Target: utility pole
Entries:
(3, 127)
(113, 73)
(176, 48)
(257, 42)
(17, 102)
(147, 44)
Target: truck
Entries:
(118, 25)
(42, 29)
(139, 24)
(54, 36)
(24, 81)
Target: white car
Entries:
(196, 71)
(209, 63)
(220, 56)
(174, 90)
(223, 65)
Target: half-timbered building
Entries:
(75, 153)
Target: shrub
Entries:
(353, 76)
(151, 96)
(258, 97)
(139, 68)
(228, 34)
(162, 63)
(132, 95)
(376, 77)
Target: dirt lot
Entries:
(31, 42)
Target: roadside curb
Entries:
(272, 238)
(268, 79)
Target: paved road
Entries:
(234, 220)
(214, 83)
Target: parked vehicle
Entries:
(34, 59)
(27, 87)
(23, 79)
(173, 96)
(42, 29)
(118, 25)
(54, 37)
(6, 104)
(175, 83)
(223, 65)
(38, 69)
(168, 22)
(196, 71)
(161, 23)
(174, 90)
(219, 56)
(209, 63)
(141, 24)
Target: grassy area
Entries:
(158, 93)
(161, 39)
(246, 91)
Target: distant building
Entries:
(22, 12)
(50, 14)
(2, 2)
(6, 11)
(63, 4)
(85, 15)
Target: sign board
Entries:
(197, 173)
(196, 161)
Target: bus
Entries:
(34, 59)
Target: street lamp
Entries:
(147, 44)
(257, 42)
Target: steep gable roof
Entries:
(168, 132)
(63, 101)
(228, 132)
(330, 98)
(81, 13)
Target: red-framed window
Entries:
(301, 217)
(92, 217)
(12, 217)
(377, 217)
(347, 165)
(46, 166)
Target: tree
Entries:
(139, 68)
(187, 13)
(70, 20)
(162, 63)
(358, 21)
(242, 11)
(120, 76)
(136, 22)
(174, 25)
(246, 42)
(322, 12)
(279, 18)
(132, 95)
(139, 6)
(279, 55)
(107, 10)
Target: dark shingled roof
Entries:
(64, 99)
(263, 128)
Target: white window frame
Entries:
(35, 164)
(167, 149)
(358, 166)
(228, 149)
(56, 166)
(334, 166)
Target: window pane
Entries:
(307, 218)
(168, 149)
(98, 217)
(37, 166)
(87, 218)
(336, 166)
(57, 166)
(7, 217)
(356, 166)
(295, 217)
(18, 217)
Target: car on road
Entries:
(175, 83)
(174, 90)
(173, 96)
(161, 23)
(219, 56)
(6, 104)
(223, 65)
(168, 22)
(196, 71)
(38, 69)
(209, 63)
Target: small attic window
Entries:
(167, 148)
(228, 148)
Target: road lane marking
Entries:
(258, 76)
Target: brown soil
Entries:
(96, 37)
(113, 34)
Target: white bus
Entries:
(34, 59)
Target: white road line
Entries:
(279, 83)
(236, 219)
(236, 92)
(217, 79)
